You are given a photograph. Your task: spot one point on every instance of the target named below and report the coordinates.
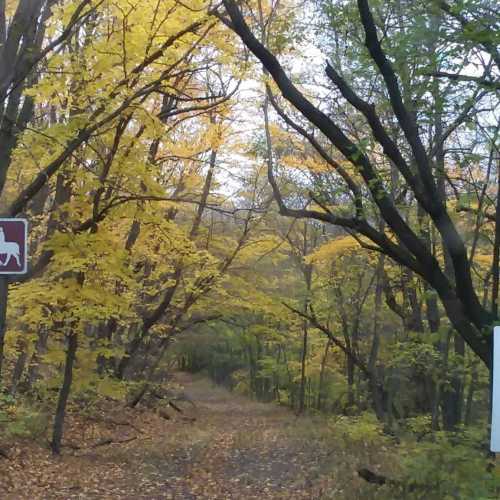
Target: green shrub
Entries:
(450, 467)
(20, 419)
(362, 429)
(28, 423)
(7, 410)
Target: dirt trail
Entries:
(249, 453)
(228, 447)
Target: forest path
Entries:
(228, 447)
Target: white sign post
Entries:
(495, 397)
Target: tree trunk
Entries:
(302, 393)
(150, 374)
(470, 395)
(377, 395)
(57, 434)
(19, 366)
(321, 387)
(454, 394)
(350, 383)
(451, 402)
(40, 348)
(4, 292)
(434, 322)
(495, 269)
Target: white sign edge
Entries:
(24, 270)
(495, 395)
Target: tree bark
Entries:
(495, 268)
(377, 395)
(468, 415)
(19, 366)
(57, 433)
(4, 293)
(322, 376)
(40, 348)
(302, 392)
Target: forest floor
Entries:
(228, 447)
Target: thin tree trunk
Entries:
(470, 394)
(40, 348)
(435, 407)
(302, 393)
(322, 377)
(149, 375)
(276, 378)
(390, 400)
(447, 393)
(495, 270)
(350, 383)
(4, 293)
(452, 393)
(57, 433)
(290, 378)
(19, 366)
(377, 398)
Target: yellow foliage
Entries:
(309, 164)
(483, 260)
(334, 248)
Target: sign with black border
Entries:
(13, 246)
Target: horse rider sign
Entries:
(13, 246)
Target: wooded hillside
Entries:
(299, 199)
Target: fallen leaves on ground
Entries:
(234, 449)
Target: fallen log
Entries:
(173, 396)
(380, 480)
(107, 420)
(106, 441)
(101, 442)
(164, 414)
(374, 478)
(175, 407)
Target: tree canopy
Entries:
(298, 198)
